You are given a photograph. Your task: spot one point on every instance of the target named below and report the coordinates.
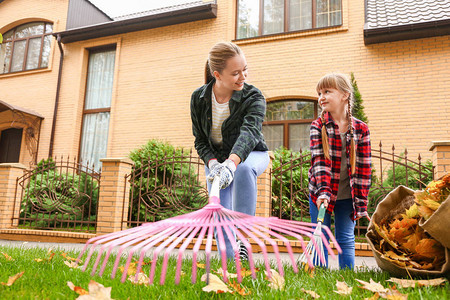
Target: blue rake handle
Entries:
(321, 215)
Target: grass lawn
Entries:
(48, 280)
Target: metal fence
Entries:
(167, 186)
(58, 194)
(290, 194)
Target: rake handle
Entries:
(321, 215)
(215, 188)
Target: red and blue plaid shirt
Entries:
(324, 174)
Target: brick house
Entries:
(76, 82)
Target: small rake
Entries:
(314, 249)
(180, 231)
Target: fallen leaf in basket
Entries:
(400, 229)
(311, 293)
(77, 289)
(13, 279)
(142, 278)
(395, 256)
(372, 286)
(215, 285)
(132, 268)
(239, 288)
(430, 248)
(406, 283)
(383, 233)
(8, 258)
(431, 204)
(412, 211)
(425, 211)
(96, 292)
(276, 281)
(413, 240)
(343, 288)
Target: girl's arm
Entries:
(320, 167)
(362, 178)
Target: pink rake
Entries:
(179, 232)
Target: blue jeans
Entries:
(241, 194)
(344, 230)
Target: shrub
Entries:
(158, 182)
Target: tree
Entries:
(358, 107)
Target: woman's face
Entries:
(332, 100)
(234, 74)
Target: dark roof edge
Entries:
(6, 106)
(406, 32)
(196, 13)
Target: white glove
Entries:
(227, 173)
(214, 169)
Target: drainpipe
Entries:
(58, 88)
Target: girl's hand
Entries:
(321, 199)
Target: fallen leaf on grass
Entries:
(393, 294)
(343, 288)
(51, 255)
(13, 279)
(215, 285)
(142, 278)
(71, 258)
(276, 281)
(201, 266)
(239, 288)
(132, 268)
(9, 258)
(406, 283)
(372, 286)
(77, 289)
(311, 293)
(71, 264)
(96, 292)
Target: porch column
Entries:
(9, 172)
(441, 158)
(113, 191)
(264, 198)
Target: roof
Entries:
(193, 11)
(393, 20)
(6, 106)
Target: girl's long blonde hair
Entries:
(341, 83)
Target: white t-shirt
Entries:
(220, 111)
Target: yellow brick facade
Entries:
(404, 84)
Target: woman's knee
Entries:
(244, 170)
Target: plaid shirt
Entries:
(324, 174)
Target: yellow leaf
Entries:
(425, 212)
(70, 258)
(412, 211)
(406, 283)
(430, 248)
(201, 266)
(394, 256)
(383, 234)
(276, 281)
(343, 288)
(228, 275)
(77, 289)
(432, 204)
(71, 264)
(132, 268)
(215, 285)
(239, 288)
(372, 286)
(142, 278)
(13, 279)
(311, 293)
(9, 258)
(96, 292)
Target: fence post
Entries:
(264, 199)
(441, 158)
(9, 172)
(111, 195)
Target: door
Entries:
(10, 142)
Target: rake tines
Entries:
(179, 232)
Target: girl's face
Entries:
(234, 75)
(332, 100)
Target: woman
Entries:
(227, 115)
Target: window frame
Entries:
(286, 123)
(27, 39)
(285, 21)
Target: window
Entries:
(264, 17)
(287, 123)
(26, 47)
(97, 107)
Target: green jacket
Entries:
(241, 131)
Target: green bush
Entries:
(55, 197)
(416, 180)
(158, 181)
(290, 178)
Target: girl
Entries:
(227, 116)
(340, 171)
